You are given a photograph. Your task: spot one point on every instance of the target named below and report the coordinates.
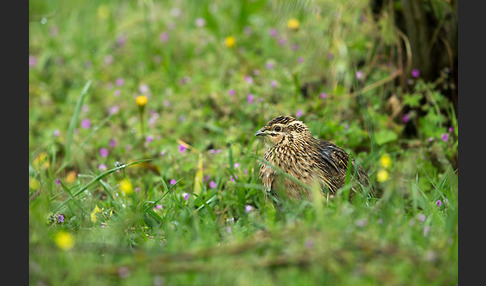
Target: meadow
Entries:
(143, 164)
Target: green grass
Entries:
(154, 236)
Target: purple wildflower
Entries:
(269, 66)
(128, 147)
(295, 47)
(185, 196)
(143, 88)
(137, 189)
(248, 79)
(57, 133)
(149, 138)
(256, 71)
(182, 148)
(164, 37)
(172, 182)
(85, 123)
(119, 81)
(237, 165)
(251, 98)
(361, 222)
(218, 151)
(103, 152)
(451, 129)
(301, 59)
(359, 74)
(299, 113)
(248, 208)
(58, 182)
(200, 22)
(117, 92)
(421, 217)
(282, 41)
(415, 73)
(212, 151)
(109, 59)
(158, 207)
(323, 95)
(102, 167)
(431, 139)
(121, 41)
(60, 218)
(32, 61)
(273, 32)
(247, 30)
(273, 83)
(445, 137)
(405, 118)
(212, 184)
(438, 203)
(102, 224)
(112, 143)
(231, 92)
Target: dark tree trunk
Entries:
(431, 30)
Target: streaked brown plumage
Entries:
(312, 161)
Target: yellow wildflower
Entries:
(385, 161)
(33, 183)
(103, 12)
(382, 175)
(71, 177)
(293, 24)
(41, 161)
(64, 240)
(230, 41)
(141, 100)
(126, 187)
(93, 214)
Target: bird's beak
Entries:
(260, 132)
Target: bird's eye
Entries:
(277, 128)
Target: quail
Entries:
(313, 162)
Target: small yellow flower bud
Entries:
(126, 187)
(33, 183)
(103, 12)
(64, 240)
(230, 42)
(385, 161)
(293, 24)
(141, 100)
(382, 175)
(93, 214)
(71, 177)
(41, 161)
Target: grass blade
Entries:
(97, 179)
(73, 124)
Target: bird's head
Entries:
(283, 130)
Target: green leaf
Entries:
(385, 136)
(412, 100)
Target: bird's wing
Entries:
(333, 156)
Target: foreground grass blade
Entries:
(97, 179)
(73, 123)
